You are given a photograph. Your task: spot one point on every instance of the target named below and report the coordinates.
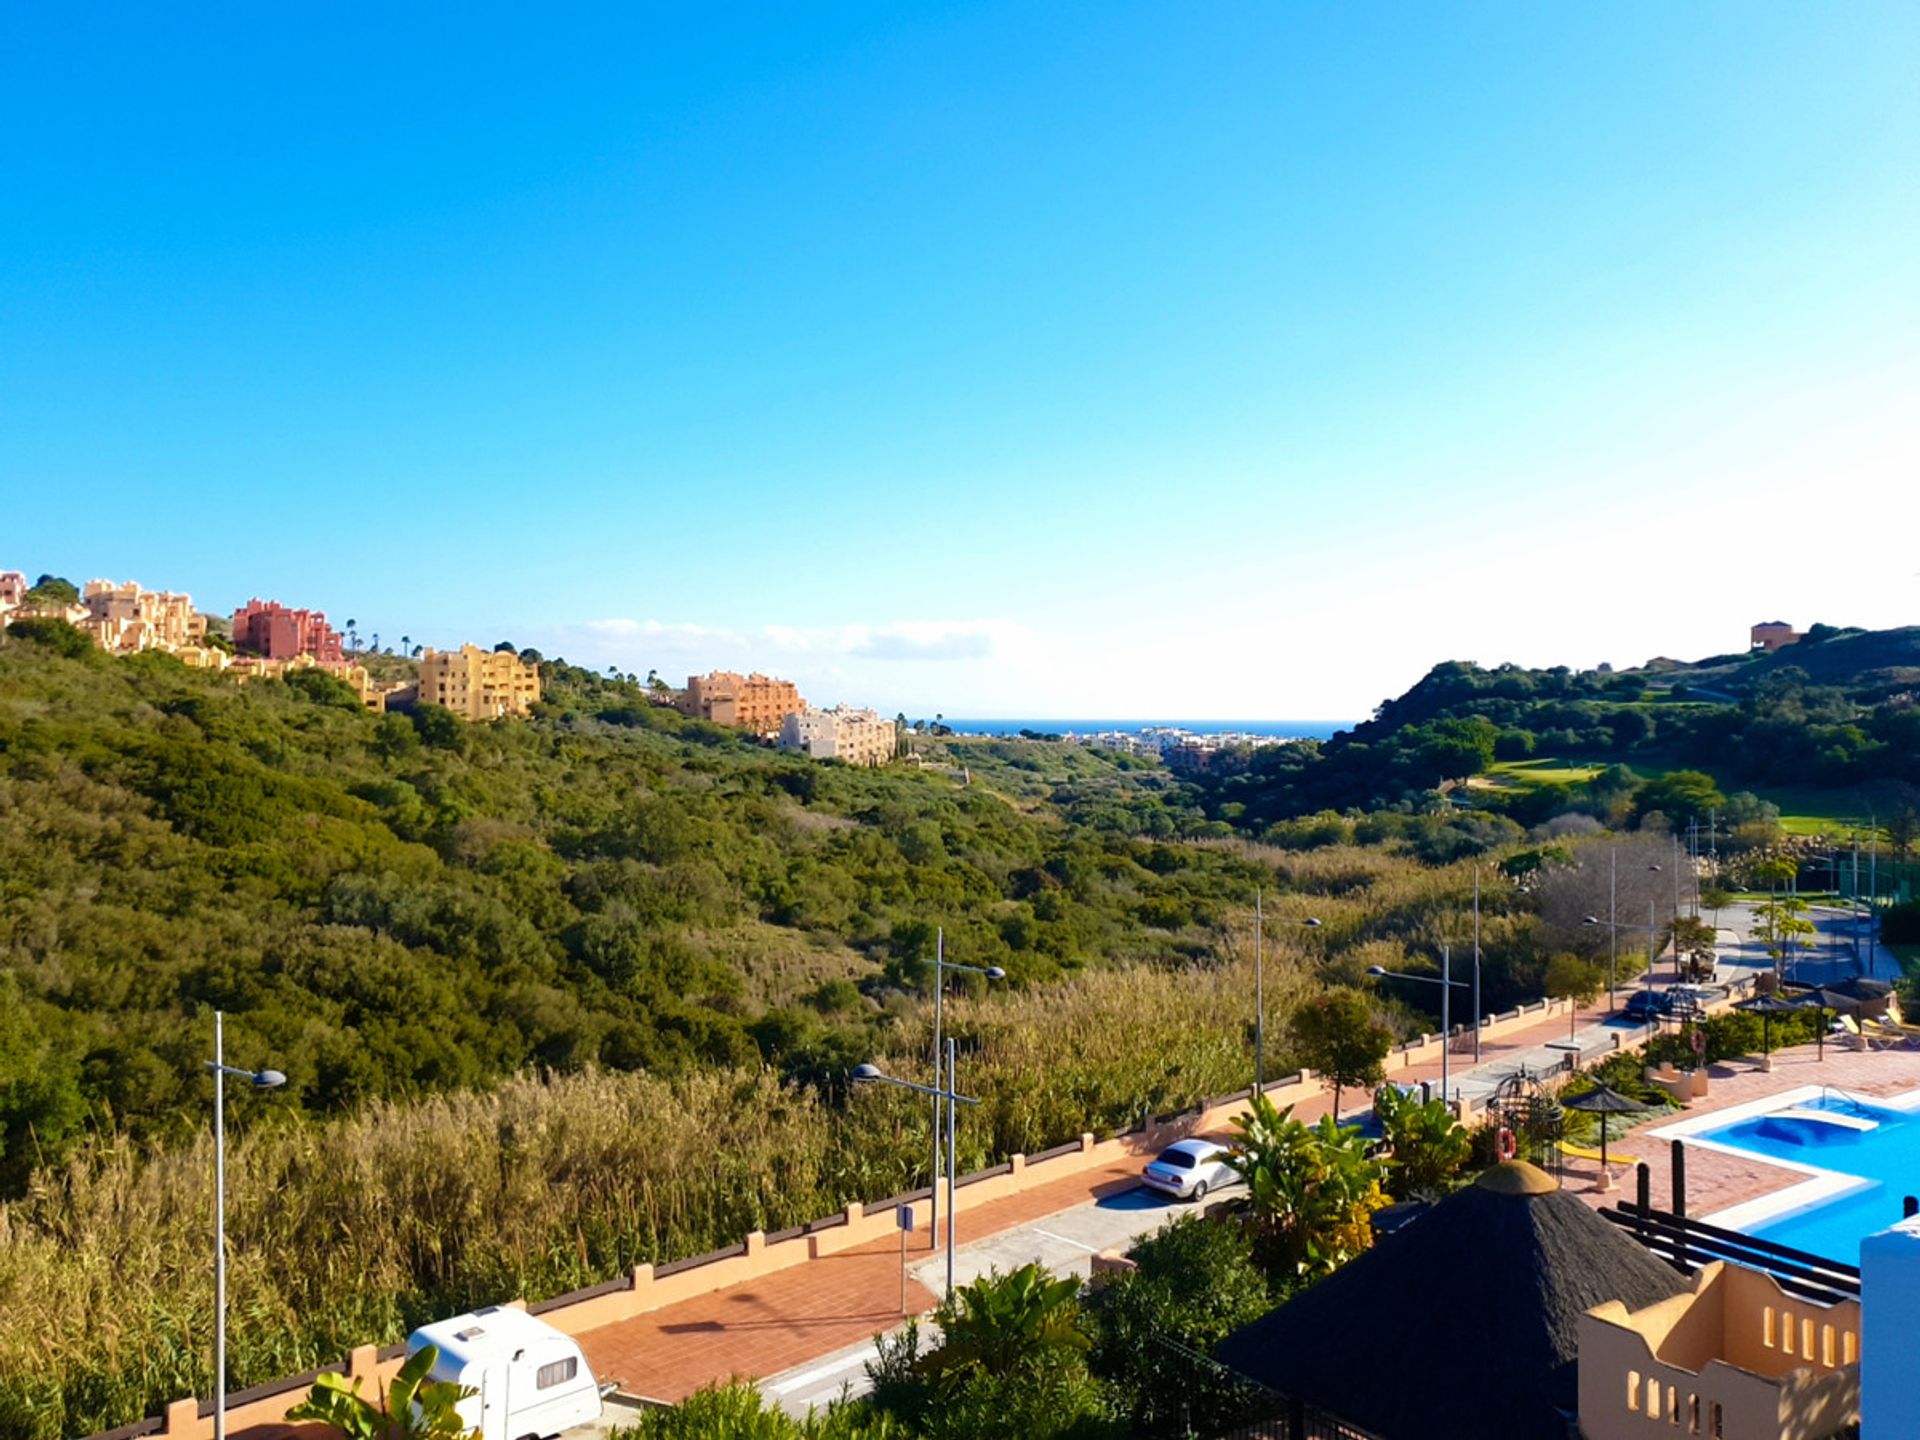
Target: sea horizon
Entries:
(1292, 729)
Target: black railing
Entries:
(1688, 1244)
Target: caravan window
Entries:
(558, 1373)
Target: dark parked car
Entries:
(1683, 1002)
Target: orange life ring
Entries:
(1699, 1042)
(1507, 1146)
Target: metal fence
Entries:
(1219, 1403)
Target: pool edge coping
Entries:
(1821, 1185)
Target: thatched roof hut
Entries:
(1464, 1326)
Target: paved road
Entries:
(1838, 950)
(1065, 1243)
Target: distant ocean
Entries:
(1293, 729)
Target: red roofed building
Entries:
(266, 627)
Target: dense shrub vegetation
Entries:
(1835, 713)
(397, 905)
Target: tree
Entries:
(52, 592)
(1311, 1190)
(1574, 980)
(1903, 829)
(1336, 1035)
(1680, 795)
(1427, 1146)
(414, 1407)
(738, 1411)
(1782, 925)
(1012, 1361)
(1194, 1283)
(406, 644)
(1692, 942)
(56, 634)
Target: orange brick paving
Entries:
(765, 1326)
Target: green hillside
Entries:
(397, 905)
(1826, 732)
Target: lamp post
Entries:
(941, 965)
(1476, 962)
(1614, 928)
(261, 1080)
(1260, 990)
(1446, 982)
(870, 1074)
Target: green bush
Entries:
(1197, 1282)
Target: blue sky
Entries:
(1068, 359)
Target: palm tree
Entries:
(1311, 1189)
(406, 642)
(414, 1408)
(353, 635)
(1003, 1321)
(376, 642)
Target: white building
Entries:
(857, 737)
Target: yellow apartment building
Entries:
(124, 619)
(479, 684)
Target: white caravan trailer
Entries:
(529, 1379)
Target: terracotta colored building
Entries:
(479, 684)
(1771, 635)
(753, 702)
(266, 627)
(13, 589)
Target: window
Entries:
(1633, 1389)
(557, 1373)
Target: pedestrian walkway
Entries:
(788, 1318)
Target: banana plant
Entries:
(414, 1407)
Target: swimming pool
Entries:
(1861, 1157)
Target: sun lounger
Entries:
(1868, 1039)
(1582, 1152)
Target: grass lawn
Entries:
(1908, 956)
(1524, 774)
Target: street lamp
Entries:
(1446, 982)
(1260, 991)
(260, 1080)
(869, 1074)
(941, 965)
(1653, 930)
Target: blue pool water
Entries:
(1885, 1159)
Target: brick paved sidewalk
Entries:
(765, 1326)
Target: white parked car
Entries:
(1188, 1169)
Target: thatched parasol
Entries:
(1603, 1100)
(1463, 1326)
